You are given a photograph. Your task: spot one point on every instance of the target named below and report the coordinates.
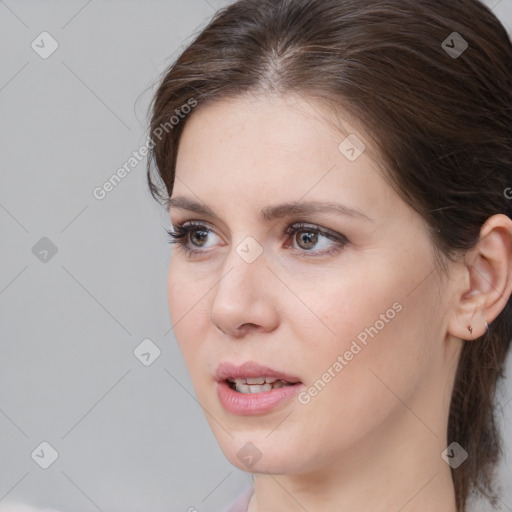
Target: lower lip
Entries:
(254, 403)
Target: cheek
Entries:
(336, 310)
(379, 341)
(186, 309)
(175, 290)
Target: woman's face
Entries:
(343, 301)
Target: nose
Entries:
(245, 298)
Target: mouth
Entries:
(257, 384)
(254, 389)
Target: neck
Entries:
(404, 473)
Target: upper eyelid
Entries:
(205, 223)
(296, 224)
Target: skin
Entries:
(372, 438)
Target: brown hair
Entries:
(442, 124)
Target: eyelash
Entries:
(180, 235)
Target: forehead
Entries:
(270, 150)
(267, 133)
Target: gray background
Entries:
(129, 437)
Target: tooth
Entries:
(242, 388)
(261, 389)
(281, 384)
(256, 380)
(245, 388)
(258, 384)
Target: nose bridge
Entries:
(242, 295)
(245, 269)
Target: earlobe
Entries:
(477, 327)
(487, 280)
(469, 324)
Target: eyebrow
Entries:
(274, 212)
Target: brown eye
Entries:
(306, 239)
(198, 237)
(315, 241)
(192, 238)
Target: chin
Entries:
(259, 454)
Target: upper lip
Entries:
(250, 369)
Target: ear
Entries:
(487, 280)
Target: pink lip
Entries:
(249, 369)
(255, 403)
